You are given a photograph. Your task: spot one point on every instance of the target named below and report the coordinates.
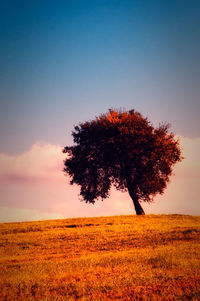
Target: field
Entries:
(152, 257)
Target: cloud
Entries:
(19, 215)
(42, 162)
(191, 151)
(33, 185)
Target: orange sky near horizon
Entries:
(33, 187)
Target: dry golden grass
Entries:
(152, 257)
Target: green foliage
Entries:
(122, 149)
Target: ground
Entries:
(152, 257)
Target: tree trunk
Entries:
(127, 173)
(138, 207)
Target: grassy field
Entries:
(152, 257)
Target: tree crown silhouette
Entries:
(121, 148)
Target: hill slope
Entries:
(152, 257)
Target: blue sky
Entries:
(63, 62)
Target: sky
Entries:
(65, 62)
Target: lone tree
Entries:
(124, 149)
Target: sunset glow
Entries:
(67, 62)
(34, 186)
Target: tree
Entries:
(121, 148)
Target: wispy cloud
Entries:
(42, 162)
(34, 181)
(18, 215)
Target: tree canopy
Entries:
(121, 148)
